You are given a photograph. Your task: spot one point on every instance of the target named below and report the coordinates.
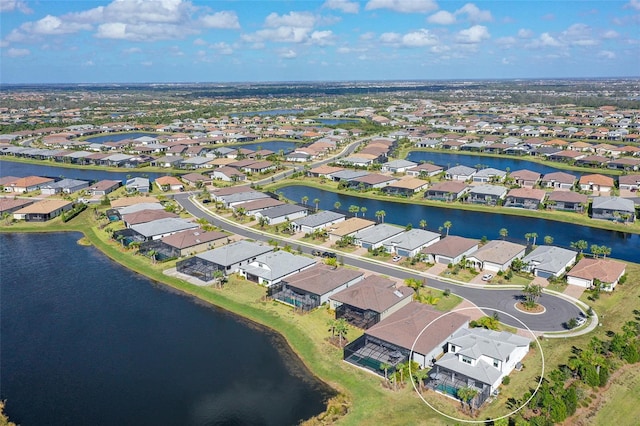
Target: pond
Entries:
(116, 137)
(88, 342)
(473, 224)
(275, 146)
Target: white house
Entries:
(586, 271)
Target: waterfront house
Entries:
(446, 191)
(391, 341)
(372, 238)
(10, 205)
(629, 182)
(27, 184)
(460, 173)
(409, 243)
(525, 178)
(629, 164)
(425, 169)
(596, 183)
(42, 211)
(450, 249)
(613, 208)
(347, 175)
(270, 268)
(281, 214)
(489, 175)
(104, 187)
(371, 181)
(314, 287)
(218, 193)
(324, 171)
(406, 186)
(348, 228)
(169, 183)
(397, 166)
(486, 194)
(137, 184)
(587, 270)
(183, 243)
(496, 255)
(317, 221)
(227, 259)
(144, 216)
(549, 261)
(558, 180)
(138, 207)
(567, 200)
(477, 358)
(370, 301)
(160, 228)
(235, 198)
(66, 186)
(525, 198)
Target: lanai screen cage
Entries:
(361, 318)
(301, 301)
(449, 383)
(127, 236)
(372, 353)
(198, 268)
(162, 250)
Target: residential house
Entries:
(66, 186)
(549, 261)
(104, 187)
(406, 186)
(27, 184)
(425, 169)
(169, 183)
(613, 208)
(596, 183)
(480, 359)
(250, 208)
(184, 243)
(446, 191)
(558, 180)
(10, 205)
(162, 227)
(324, 171)
(144, 216)
(314, 287)
(131, 201)
(460, 173)
(317, 221)
(347, 175)
(489, 175)
(283, 213)
(486, 194)
(525, 178)
(450, 250)
(349, 228)
(525, 198)
(42, 211)
(409, 243)
(371, 181)
(138, 207)
(402, 337)
(587, 271)
(270, 268)
(373, 238)
(370, 301)
(227, 259)
(218, 193)
(496, 255)
(195, 179)
(629, 182)
(137, 184)
(228, 174)
(235, 198)
(398, 166)
(567, 200)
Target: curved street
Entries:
(558, 310)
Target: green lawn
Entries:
(620, 405)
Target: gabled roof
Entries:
(498, 345)
(234, 253)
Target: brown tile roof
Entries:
(321, 279)
(44, 206)
(350, 226)
(259, 204)
(448, 186)
(29, 181)
(190, 238)
(403, 327)
(530, 193)
(568, 197)
(325, 170)
(130, 201)
(524, 174)
(375, 293)
(605, 270)
(451, 246)
(498, 251)
(7, 204)
(560, 177)
(168, 180)
(596, 179)
(104, 185)
(144, 216)
(221, 192)
(409, 183)
(374, 179)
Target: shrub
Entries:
(506, 380)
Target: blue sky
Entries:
(331, 40)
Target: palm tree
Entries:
(534, 236)
(419, 376)
(466, 395)
(504, 232)
(337, 205)
(548, 240)
(341, 328)
(532, 292)
(304, 200)
(581, 245)
(380, 214)
(400, 368)
(384, 366)
(527, 236)
(414, 284)
(263, 221)
(363, 210)
(423, 223)
(354, 209)
(447, 225)
(152, 254)
(316, 201)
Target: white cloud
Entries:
(440, 49)
(322, 38)
(292, 19)
(368, 36)
(633, 4)
(132, 50)
(545, 40)
(4, 43)
(199, 42)
(390, 38)
(88, 63)
(442, 17)
(287, 54)
(419, 38)
(610, 34)
(474, 14)
(279, 35)
(606, 54)
(14, 52)
(473, 35)
(344, 50)
(222, 48)
(579, 35)
(12, 5)
(221, 20)
(525, 33)
(506, 42)
(345, 6)
(403, 6)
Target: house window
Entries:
(507, 360)
(466, 360)
(495, 363)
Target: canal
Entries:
(88, 342)
(473, 224)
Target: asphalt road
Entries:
(558, 310)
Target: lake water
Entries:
(472, 224)
(447, 160)
(271, 112)
(116, 137)
(336, 121)
(275, 146)
(87, 342)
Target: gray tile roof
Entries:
(613, 203)
(413, 239)
(278, 264)
(461, 170)
(163, 226)
(348, 174)
(550, 258)
(489, 172)
(399, 164)
(320, 218)
(283, 210)
(495, 190)
(242, 196)
(378, 233)
(235, 252)
(139, 207)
